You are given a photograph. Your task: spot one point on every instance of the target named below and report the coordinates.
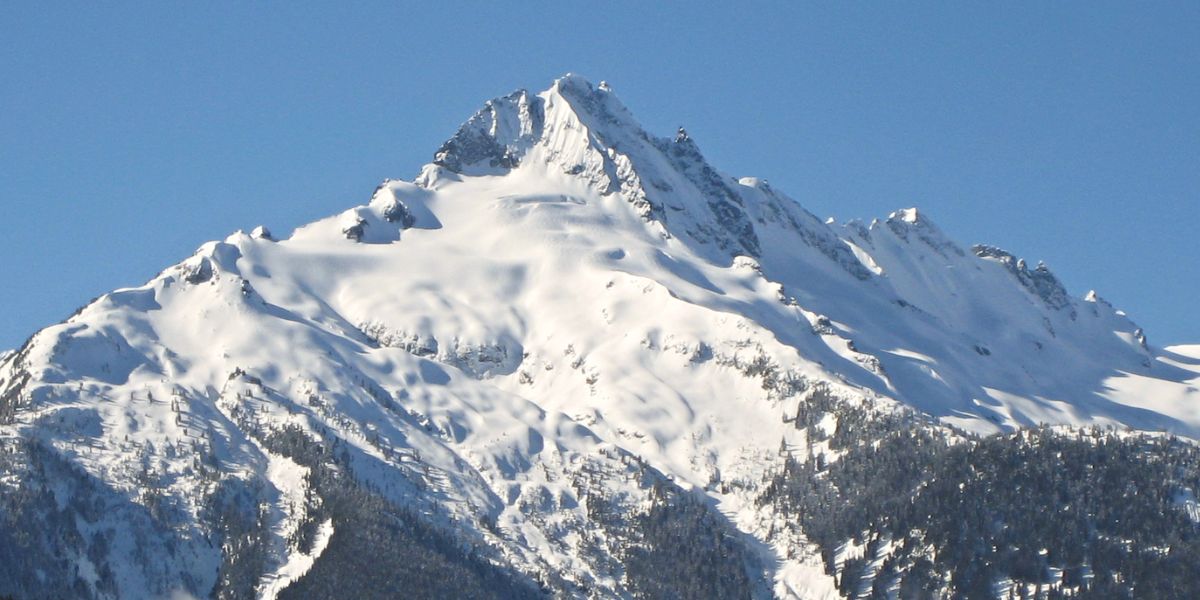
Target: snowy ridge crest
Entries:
(1039, 280)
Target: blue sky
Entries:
(1070, 133)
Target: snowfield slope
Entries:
(559, 326)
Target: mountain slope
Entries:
(563, 345)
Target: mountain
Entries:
(574, 359)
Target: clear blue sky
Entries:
(1070, 133)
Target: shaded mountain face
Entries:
(571, 358)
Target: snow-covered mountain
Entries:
(563, 338)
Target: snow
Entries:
(584, 299)
(908, 215)
(298, 563)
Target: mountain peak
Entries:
(1039, 280)
(584, 131)
(497, 137)
(475, 373)
(573, 81)
(908, 215)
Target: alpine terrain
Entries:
(573, 359)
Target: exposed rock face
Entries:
(1040, 281)
(496, 137)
